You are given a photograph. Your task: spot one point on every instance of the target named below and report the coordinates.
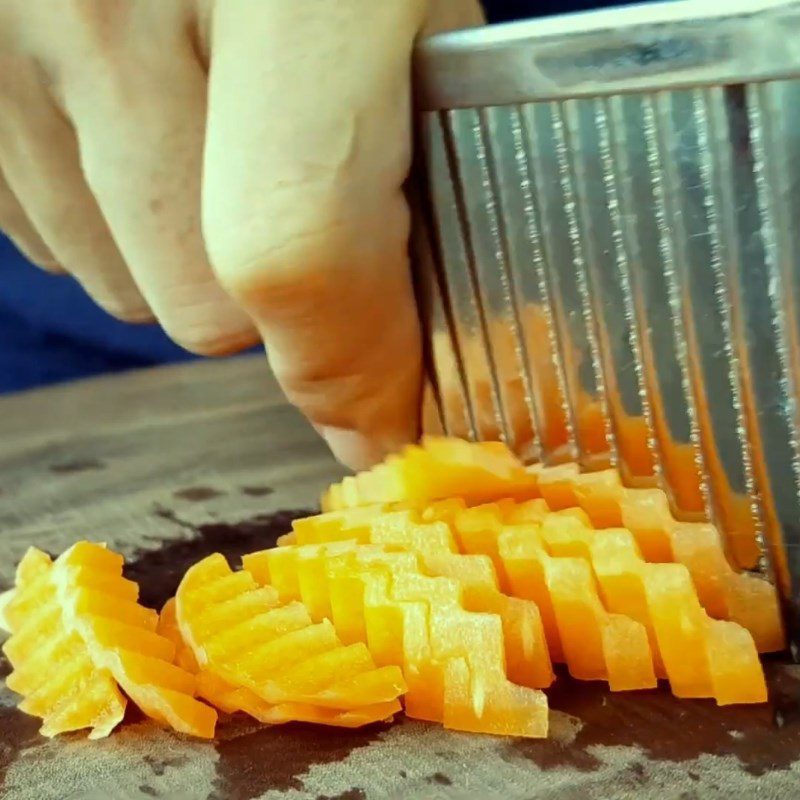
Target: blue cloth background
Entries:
(50, 331)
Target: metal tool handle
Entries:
(648, 47)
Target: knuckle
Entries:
(269, 279)
(305, 264)
(312, 249)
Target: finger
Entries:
(141, 133)
(16, 225)
(304, 216)
(39, 158)
(447, 15)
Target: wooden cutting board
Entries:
(168, 465)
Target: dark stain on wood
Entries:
(79, 465)
(18, 731)
(198, 494)
(160, 765)
(158, 572)
(668, 729)
(549, 755)
(637, 769)
(350, 794)
(257, 491)
(276, 758)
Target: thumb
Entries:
(308, 147)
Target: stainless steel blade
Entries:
(611, 255)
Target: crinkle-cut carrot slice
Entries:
(384, 599)
(96, 698)
(595, 645)
(486, 702)
(32, 593)
(527, 581)
(331, 499)
(528, 511)
(599, 645)
(622, 593)
(609, 504)
(703, 668)
(599, 494)
(432, 626)
(442, 510)
(643, 512)
(122, 639)
(168, 628)
(339, 677)
(555, 484)
(396, 630)
(438, 468)
(472, 571)
(358, 588)
(53, 671)
(527, 655)
(210, 687)
(352, 718)
(306, 664)
(402, 531)
(382, 484)
(478, 472)
(74, 697)
(725, 593)
(360, 599)
(398, 528)
(476, 530)
(311, 568)
(735, 669)
(299, 574)
(662, 597)
(278, 568)
(498, 707)
(232, 699)
(742, 597)
(526, 652)
(31, 581)
(328, 526)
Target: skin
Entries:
(232, 169)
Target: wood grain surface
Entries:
(170, 464)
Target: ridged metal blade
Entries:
(617, 278)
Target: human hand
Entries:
(234, 170)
